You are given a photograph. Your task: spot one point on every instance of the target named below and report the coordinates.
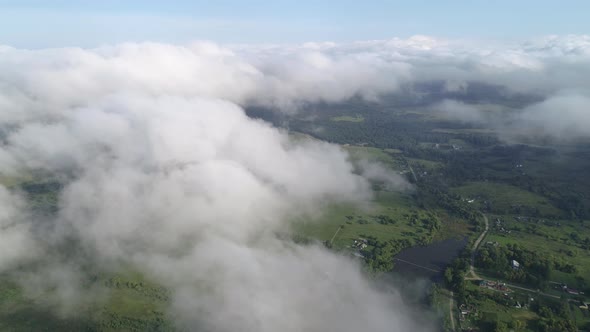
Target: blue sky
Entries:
(47, 23)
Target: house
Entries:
(515, 265)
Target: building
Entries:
(515, 265)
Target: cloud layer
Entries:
(162, 169)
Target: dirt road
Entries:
(472, 275)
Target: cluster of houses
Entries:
(360, 244)
(468, 200)
(495, 285)
(467, 310)
(446, 146)
(521, 218)
(565, 288)
(501, 228)
(515, 265)
(571, 290)
(519, 168)
(492, 243)
(537, 221)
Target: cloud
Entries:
(162, 169)
(379, 173)
(285, 75)
(191, 192)
(562, 117)
(17, 244)
(459, 111)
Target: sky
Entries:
(86, 23)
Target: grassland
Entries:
(543, 184)
(388, 157)
(130, 304)
(350, 223)
(424, 163)
(551, 239)
(493, 306)
(135, 304)
(503, 197)
(343, 224)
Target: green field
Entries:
(488, 311)
(424, 163)
(129, 303)
(349, 223)
(506, 198)
(388, 157)
(348, 118)
(552, 242)
(538, 193)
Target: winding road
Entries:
(451, 311)
(473, 276)
(413, 174)
(472, 273)
(334, 236)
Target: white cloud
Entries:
(458, 111)
(191, 191)
(564, 117)
(17, 244)
(166, 172)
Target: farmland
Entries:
(535, 197)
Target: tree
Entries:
(518, 325)
(500, 327)
(449, 276)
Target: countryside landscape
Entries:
(470, 186)
(294, 166)
(490, 204)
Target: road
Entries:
(533, 291)
(334, 236)
(451, 311)
(474, 276)
(413, 174)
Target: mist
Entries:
(561, 118)
(173, 180)
(163, 171)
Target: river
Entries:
(430, 261)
